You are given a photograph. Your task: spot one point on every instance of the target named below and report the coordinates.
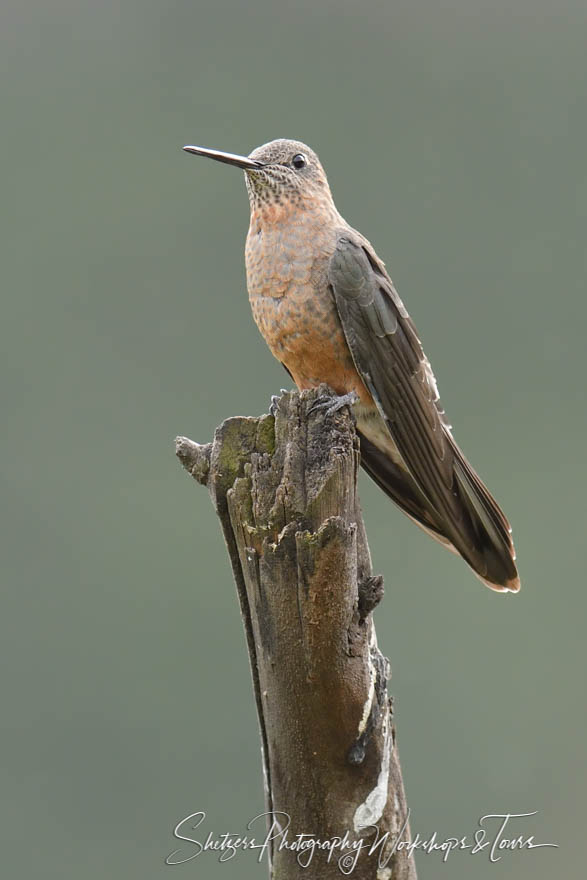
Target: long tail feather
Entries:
(484, 537)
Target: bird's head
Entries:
(282, 172)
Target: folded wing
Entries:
(389, 357)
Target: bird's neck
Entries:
(266, 215)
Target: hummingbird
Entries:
(329, 312)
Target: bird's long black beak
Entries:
(229, 158)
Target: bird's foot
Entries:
(331, 404)
(275, 398)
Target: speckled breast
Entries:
(287, 263)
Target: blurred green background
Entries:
(454, 136)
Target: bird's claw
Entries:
(275, 398)
(331, 404)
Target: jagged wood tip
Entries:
(195, 457)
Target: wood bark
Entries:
(285, 490)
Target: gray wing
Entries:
(390, 359)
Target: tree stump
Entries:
(285, 490)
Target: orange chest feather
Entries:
(293, 306)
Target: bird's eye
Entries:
(299, 160)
